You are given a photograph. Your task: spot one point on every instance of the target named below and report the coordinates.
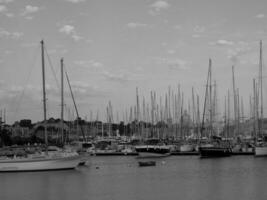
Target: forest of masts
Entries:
(172, 116)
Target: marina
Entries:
(133, 100)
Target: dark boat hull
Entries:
(152, 151)
(207, 152)
(147, 163)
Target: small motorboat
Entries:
(146, 163)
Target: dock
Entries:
(191, 153)
(115, 154)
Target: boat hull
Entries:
(206, 152)
(147, 163)
(186, 148)
(261, 151)
(147, 151)
(41, 164)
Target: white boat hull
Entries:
(245, 149)
(187, 148)
(39, 164)
(151, 155)
(261, 151)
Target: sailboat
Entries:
(217, 147)
(48, 160)
(261, 146)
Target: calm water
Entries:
(120, 178)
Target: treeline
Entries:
(6, 139)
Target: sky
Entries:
(112, 47)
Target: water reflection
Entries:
(120, 178)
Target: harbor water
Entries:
(120, 178)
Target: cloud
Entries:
(10, 35)
(173, 64)
(135, 25)
(260, 16)
(11, 91)
(16, 35)
(31, 44)
(118, 77)
(67, 29)
(83, 90)
(30, 9)
(24, 101)
(75, 1)
(6, 1)
(177, 27)
(29, 17)
(222, 42)
(121, 76)
(158, 6)
(9, 15)
(196, 36)
(177, 64)
(70, 30)
(88, 63)
(171, 51)
(3, 9)
(199, 29)
(76, 37)
(235, 53)
(7, 52)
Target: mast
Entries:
(138, 113)
(228, 115)
(210, 96)
(205, 101)
(182, 118)
(214, 103)
(198, 118)
(225, 118)
(193, 110)
(44, 92)
(4, 115)
(1, 112)
(62, 101)
(235, 101)
(242, 110)
(255, 108)
(75, 106)
(238, 111)
(261, 92)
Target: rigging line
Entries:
(27, 81)
(75, 106)
(52, 68)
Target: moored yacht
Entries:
(261, 150)
(153, 148)
(187, 148)
(40, 162)
(261, 147)
(217, 148)
(43, 160)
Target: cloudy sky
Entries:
(112, 47)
